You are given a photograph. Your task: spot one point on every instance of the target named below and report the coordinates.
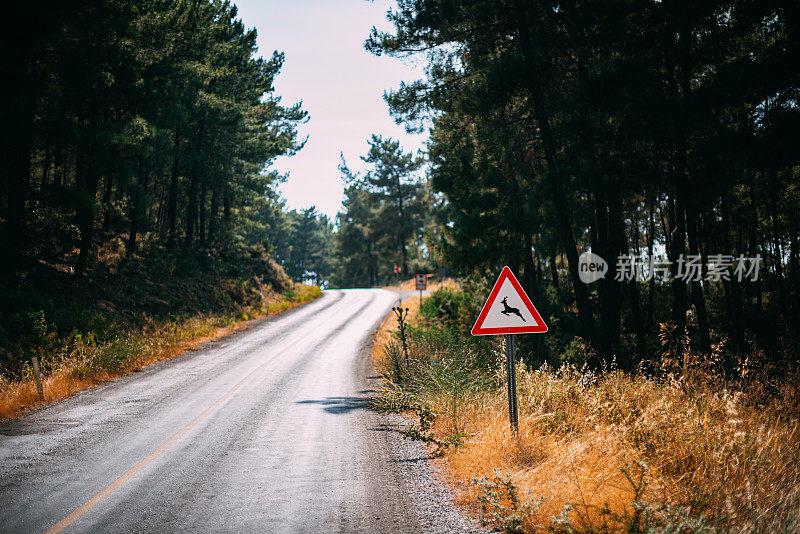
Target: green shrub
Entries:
(452, 307)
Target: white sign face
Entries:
(508, 310)
(422, 282)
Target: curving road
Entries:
(264, 431)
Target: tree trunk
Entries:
(698, 299)
(776, 240)
(676, 67)
(202, 210)
(554, 272)
(138, 206)
(733, 309)
(191, 203)
(675, 250)
(633, 294)
(678, 81)
(86, 181)
(605, 286)
(58, 171)
(613, 306)
(793, 262)
(172, 195)
(753, 235)
(191, 207)
(46, 164)
(529, 277)
(556, 188)
(109, 187)
(651, 292)
(226, 204)
(686, 198)
(214, 214)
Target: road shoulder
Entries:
(430, 500)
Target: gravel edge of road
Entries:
(433, 501)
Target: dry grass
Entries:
(585, 473)
(388, 328)
(614, 449)
(434, 283)
(88, 364)
(387, 331)
(551, 458)
(615, 452)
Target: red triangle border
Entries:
(479, 330)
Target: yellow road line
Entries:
(108, 490)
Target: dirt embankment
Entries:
(124, 315)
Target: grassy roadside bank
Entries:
(114, 322)
(609, 452)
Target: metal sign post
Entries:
(511, 370)
(509, 311)
(422, 285)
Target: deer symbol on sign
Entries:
(508, 310)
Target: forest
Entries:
(657, 141)
(137, 193)
(150, 118)
(661, 136)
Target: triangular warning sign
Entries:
(508, 310)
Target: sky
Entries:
(340, 83)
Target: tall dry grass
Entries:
(610, 452)
(387, 330)
(387, 333)
(613, 449)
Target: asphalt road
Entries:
(265, 431)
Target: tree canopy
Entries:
(663, 128)
(384, 216)
(148, 118)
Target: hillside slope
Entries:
(124, 314)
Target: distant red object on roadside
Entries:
(396, 269)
